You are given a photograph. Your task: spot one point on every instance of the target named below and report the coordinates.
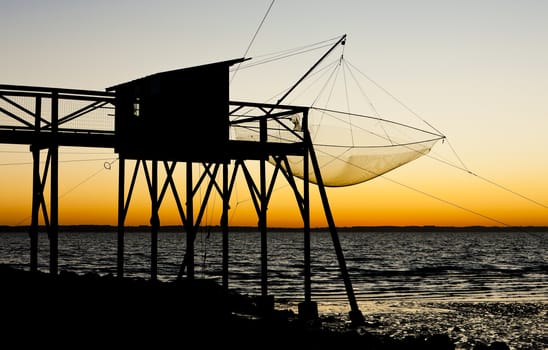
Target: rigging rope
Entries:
(288, 53)
(105, 167)
(253, 39)
(61, 161)
(446, 201)
(489, 181)
(393, 97)
(369, 101)
(347, 99)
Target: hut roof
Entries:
(204, 67)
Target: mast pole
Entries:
(341, 41)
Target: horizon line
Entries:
(89, 227)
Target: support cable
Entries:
(61, 161)
(287, 54)
(394, 98)
(106, 166)
(370, 102)
(489, 181)
(253, 39)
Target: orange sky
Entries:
(88, 195)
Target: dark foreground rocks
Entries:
(90, 311)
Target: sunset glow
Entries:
(476, 71)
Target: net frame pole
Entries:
(342, 41)
(355, 314)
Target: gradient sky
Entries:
(476, 70)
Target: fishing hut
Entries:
(186, 116)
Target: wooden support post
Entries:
(306, 222)
(121, 217)
(36, 188)
(263, 229)
(54, 186)
(266, 303)
(154, 222)
(190, 229)
(308, 310)
(224, 226)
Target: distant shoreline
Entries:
(426, 228)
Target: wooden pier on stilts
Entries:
(158, 122)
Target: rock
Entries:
(439, 342)
(499, 345)
(480, 346)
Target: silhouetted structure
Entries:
(37, 116)
(177, 111)
(162, 120)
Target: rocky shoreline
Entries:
(90, 309)
(519, 324)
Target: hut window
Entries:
(136, 107)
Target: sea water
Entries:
(474, 284)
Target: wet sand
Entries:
(470, 323)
